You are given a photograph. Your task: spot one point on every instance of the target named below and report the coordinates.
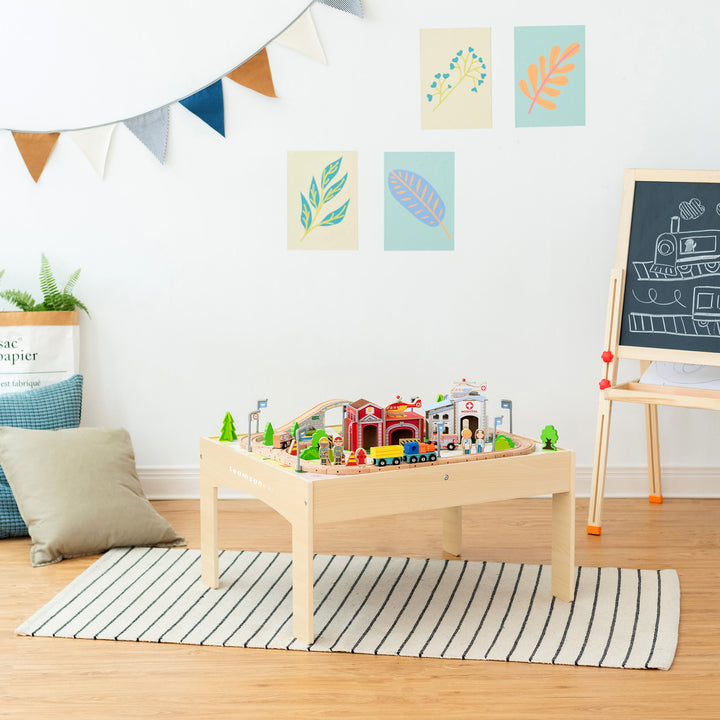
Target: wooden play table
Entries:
(308, 499)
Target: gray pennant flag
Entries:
(351, 6)
(152, 130)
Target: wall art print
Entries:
(419, 200)
(322, 200)
(550, 76)
(456, 76)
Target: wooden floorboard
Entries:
(44, 678)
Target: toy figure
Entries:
(324, 451)
(479, 440)
(466, 440)
(338, 454)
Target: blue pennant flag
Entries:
(208, 106)
(351, 6)
(152, 130)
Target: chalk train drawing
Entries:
(681, 256)
(691, 209)
(686, 254)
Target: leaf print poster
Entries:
(322, 200)
(550, 76)
(419, 200)
(455, 78)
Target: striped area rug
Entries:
(374, 605)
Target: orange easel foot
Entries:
(594, 529)
(656, 499)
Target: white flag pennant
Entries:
(94, 143)
(302, 36)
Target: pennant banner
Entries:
(208, 106)
(151, 129)
(255, 74)
(302, 36)
(35, 149)
(351, 6)
(94, 144)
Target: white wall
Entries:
(198, 308)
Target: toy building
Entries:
(464, 406)
(368, 424)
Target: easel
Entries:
(649, 395)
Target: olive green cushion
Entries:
(78, 492)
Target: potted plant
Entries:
(39, 342)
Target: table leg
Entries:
(302, 579)
(563, 545)
(209, 534)
(452, 530)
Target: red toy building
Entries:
(363, 425)
(368, 425)
(401, 423)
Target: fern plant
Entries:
(53, 297)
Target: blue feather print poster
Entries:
(419, 200)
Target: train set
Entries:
(373, 438)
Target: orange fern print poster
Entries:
(549, 76)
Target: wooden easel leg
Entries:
(597, 489)
(653, 453)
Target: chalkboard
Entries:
(670, 253)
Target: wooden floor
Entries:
(45, 678)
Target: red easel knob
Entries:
(604, 383)
(607, 356)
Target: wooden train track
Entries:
(523, 446)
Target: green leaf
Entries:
(306, 213)
(336, 216)
(314, 195)
(21, 300)
(47, 281)
(335, 189)
(70, 284)
(330, 172)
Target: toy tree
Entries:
(268, 436)
(293, 429)
(228, 434)
(549, 437)
(312, 452)
(503, 442)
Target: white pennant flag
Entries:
(95, 143)
(302, 36)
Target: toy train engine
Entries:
(686, 254)
(282, 440)
(409, 451)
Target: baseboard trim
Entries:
(181, 482)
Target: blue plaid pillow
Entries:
(45, 408)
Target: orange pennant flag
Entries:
(255, 74)
(35, 149)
